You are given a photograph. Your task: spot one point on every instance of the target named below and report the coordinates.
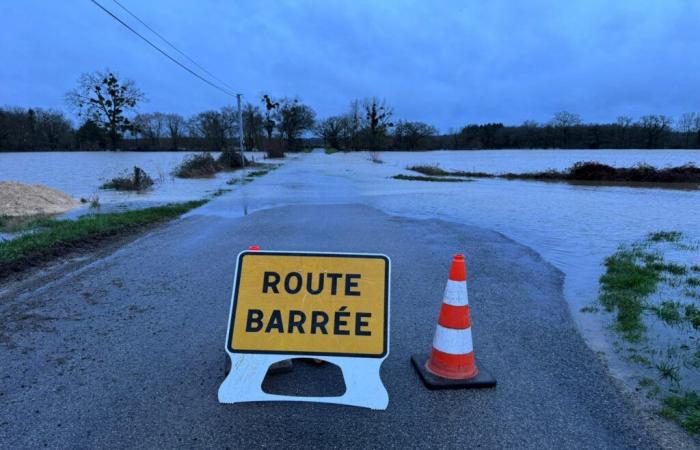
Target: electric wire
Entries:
(220, 88)
(203, 69)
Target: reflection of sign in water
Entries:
(323, 305)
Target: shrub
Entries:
(139, 180)
(231, 160)
(202, 165)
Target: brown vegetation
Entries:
(587, 171)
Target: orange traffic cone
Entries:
(451, 363)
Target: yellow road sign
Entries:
(310, 303)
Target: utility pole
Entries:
(240, 129)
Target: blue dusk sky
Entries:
(447, 63)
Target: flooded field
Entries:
(80, 174)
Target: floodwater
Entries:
(80, 174)
(574, 227)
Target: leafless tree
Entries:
(253, 126)
(378, 115)
(687, 126)
(564, 121)
(410, 135)
(101, 98)
(331, 130)
(654, 127)
(176, 129)
(152, 127)
(295, 119)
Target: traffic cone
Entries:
(451, 363)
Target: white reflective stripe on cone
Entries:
(455, 342)
(456, 293)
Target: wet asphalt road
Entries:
(129, 350)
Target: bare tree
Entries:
(209, 125)
(295, 119)
(564, 121)
(331, 130)
(151, 126)
(378, 116)
(654, 127)
(624, 122)
(101, 98)
(176, 128)
(253, 126)
(354, 122)
(410, 135)
(686, 125)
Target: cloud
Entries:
(446, 63)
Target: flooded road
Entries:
(574, 227)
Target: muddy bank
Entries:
(18, 199)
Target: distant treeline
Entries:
(47, 130)
(107, 110)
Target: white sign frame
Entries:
(363, 383)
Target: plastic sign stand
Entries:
(328, 306)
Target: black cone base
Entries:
(483, 380)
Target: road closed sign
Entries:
(329, 306)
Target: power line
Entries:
(172, 45)
(225, 91)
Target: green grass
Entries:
(685, 409)
(639, 359)
(52, 235)
(421, 178)
(220, 192)
(631, 276)
(438, 172)
(693, 281)
(669, 312)
(668, 371)
(330, 151)
(672, 268)
(692, 315)
(665, 236)
(430, 170)
(646, 382)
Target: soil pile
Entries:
(17, 199)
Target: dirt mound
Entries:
(17, 199)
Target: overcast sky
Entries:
(443, 62)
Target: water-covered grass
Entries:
(656, 311)
(586, 171)
(631, 276)
(422, 178)
(51, 237)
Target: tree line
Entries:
(107, 112)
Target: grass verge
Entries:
(631, 276)
(51, 238)
(685, 409)
(657, 315)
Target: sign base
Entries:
(363, 385)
